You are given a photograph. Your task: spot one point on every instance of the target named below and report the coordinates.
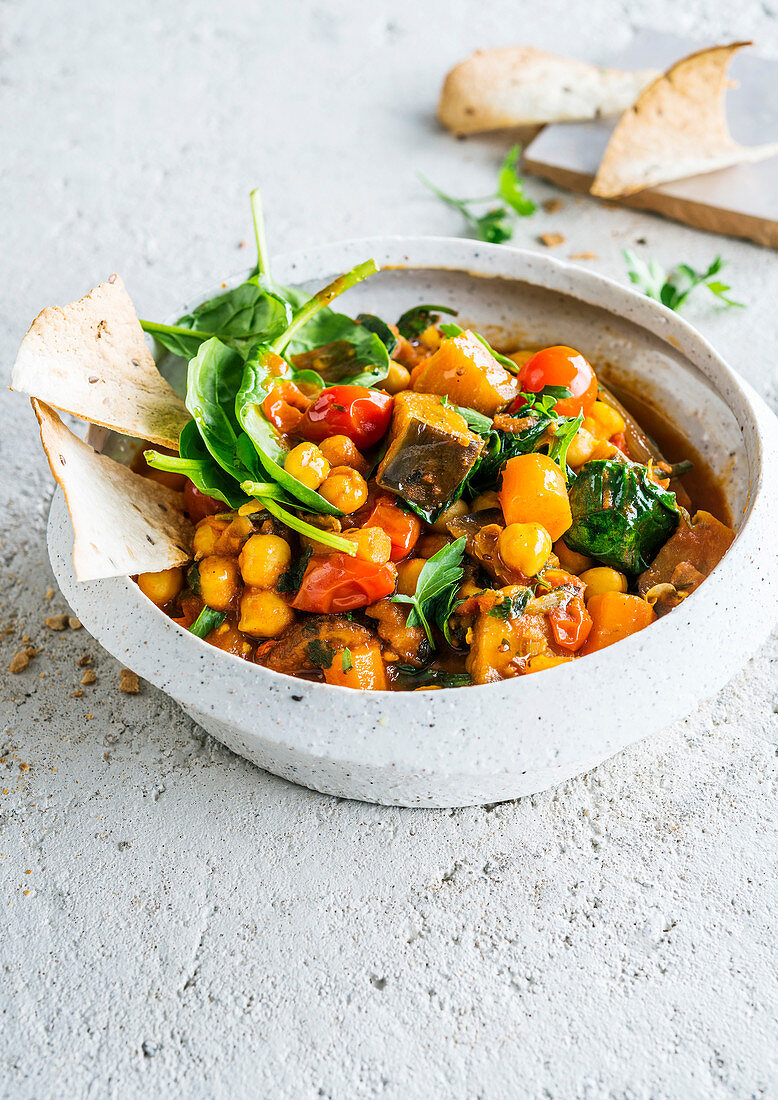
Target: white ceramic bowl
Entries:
(484, 744)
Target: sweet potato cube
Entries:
(431, 449)
(463, 369)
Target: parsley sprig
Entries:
(436, 589)
(674, 287)
(496, 224)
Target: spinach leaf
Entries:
(256, 383)
(291, 580)
(437, 677)
(620, 516)
(340, 350)
(320, 653)
(381, 329)
(416, 320)
(213, 379)
(195, 462)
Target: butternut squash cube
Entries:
(463, 369)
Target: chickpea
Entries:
(454, 511)
(307, 464)
(264, 614)
(207, 534)
(263, 559)
(233, 536)
(345, 488)
(372, 543)
(581, 449)
(161, 587)
(398, 378)
(339, 450)
(485, 500)
(602, 579)
(430, 544)
(408, 575)
(571, 561)
(219, 581)
(524, 547)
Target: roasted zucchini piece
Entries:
(431, 450)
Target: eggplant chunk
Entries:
(293, 652)
(431, 450)
(408, 642)
(686, 559)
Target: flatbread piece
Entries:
(676, 128)
(123, 523)
(522, 86)
(90, 358)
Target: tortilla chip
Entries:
(521, 86)
(677, 128)
(90, 358)
(123, 523)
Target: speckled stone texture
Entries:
(179, 923)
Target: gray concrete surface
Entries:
(178, 923)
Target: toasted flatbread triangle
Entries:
(521, 86)
(90, 358)
(677, 128)
(123, 523)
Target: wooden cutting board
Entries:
(740, 201)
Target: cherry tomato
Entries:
(284, 406)
(403, 528)
(198, 505)
(619, 440)
(560, 366)
(571, 624)
(338, 582)
(361, 414)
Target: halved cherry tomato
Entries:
(338, 582)
(571, 624)
(198, 505)
(361, 414)
(284, 405)
(403, 528)
(560, 366)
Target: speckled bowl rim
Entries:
(389, 727)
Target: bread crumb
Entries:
(89, 677)
(76, 694)
(31, 651)
(56, 622)
(551, 240)
(24, 767)
(87, 716)
(84, 659)
(128, 682)
(553, 206)
(18, 663)
(49, 594)
(584, 256)
(74, 623)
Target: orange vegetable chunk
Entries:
(367, 671)
(464, 370)
(615, 615)
(534, 491)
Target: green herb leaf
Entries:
(673, 288)
(440, 576)
(346, 663)
(193, 578)
(414, 321)
(206, 621)
(510, 186)
(476, 421)
(437, 677)
(320, 653)
(291, 580)
(565, 431)
(512, 607)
